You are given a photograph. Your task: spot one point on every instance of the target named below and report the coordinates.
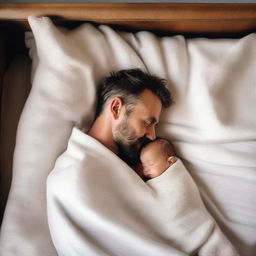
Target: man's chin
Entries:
(129, 154)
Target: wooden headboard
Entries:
(211, 19)
(188, 19)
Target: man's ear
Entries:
(115, 107)
(171, 160)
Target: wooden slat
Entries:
(174, 17)
(130, 11)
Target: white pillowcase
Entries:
(67, 66)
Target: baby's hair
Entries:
(165, 146)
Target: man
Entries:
(129, 107)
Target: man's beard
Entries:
(129, 145)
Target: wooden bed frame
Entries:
(190, 20)
(167, 17)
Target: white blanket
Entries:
(97, 205)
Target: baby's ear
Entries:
(171, 160)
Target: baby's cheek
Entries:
(156, 172)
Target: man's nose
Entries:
(151, 133)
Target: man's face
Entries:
(138, 128)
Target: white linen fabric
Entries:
(67, 66)
(212, 124)
(104, 208)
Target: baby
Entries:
(155, 158)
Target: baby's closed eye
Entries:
(148, 164)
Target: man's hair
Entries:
(165, 146)
(128, 84)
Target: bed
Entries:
(205, 51)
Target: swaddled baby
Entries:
(188, 217)
(156, 157)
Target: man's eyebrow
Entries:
(152, 120)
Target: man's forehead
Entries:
(150, 114)
(148, 97)
(151, 111)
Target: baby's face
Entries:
(153, 161)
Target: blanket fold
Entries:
(99, 206)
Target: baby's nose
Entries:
(145, 168)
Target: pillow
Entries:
(67, 66)
(211, 124)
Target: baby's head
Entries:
(156, 157)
